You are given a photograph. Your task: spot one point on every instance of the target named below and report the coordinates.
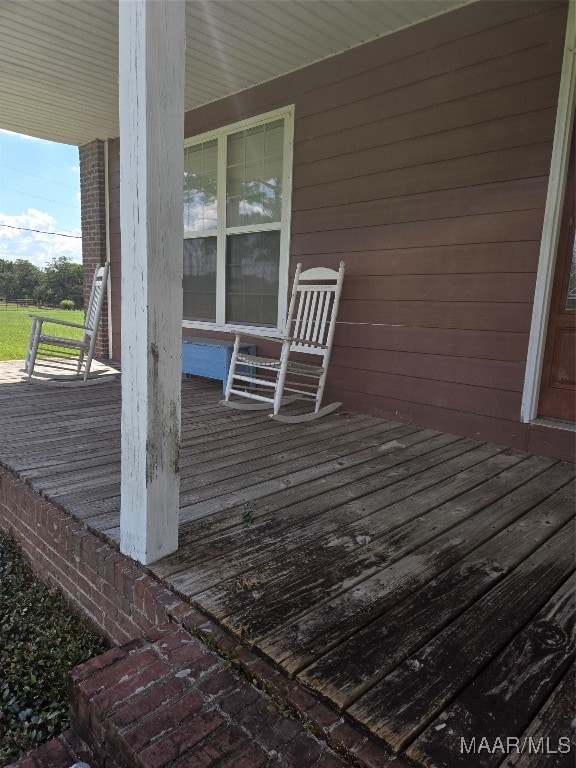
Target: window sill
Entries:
(546, 421)
(257, 330)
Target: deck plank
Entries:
(334, 437)
(324, 449)
(416, 610)
(298, 643)
(221, 541)
(223, 510)
(551, 733)
(80, 475)
(266, 468)
(405, 701)
(525, 673)
(338, 482)
(336, 557)
(388, 467)
(257, 485)
(331, 566)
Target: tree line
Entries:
(60, 279)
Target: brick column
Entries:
(93, 208)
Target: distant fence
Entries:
(15, 303)
(19, 302)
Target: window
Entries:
(237, 183)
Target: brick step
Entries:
(167, 701)
(61, 752)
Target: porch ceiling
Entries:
(59, 59)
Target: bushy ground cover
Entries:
(41, 639)
(15, 328)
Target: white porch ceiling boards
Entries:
(59, 58)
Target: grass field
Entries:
(15, 328)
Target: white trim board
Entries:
(552, 221)
(107, 224)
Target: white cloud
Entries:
(18, 242)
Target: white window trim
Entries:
(286, 113)
(551, 226)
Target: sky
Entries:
(39, 190)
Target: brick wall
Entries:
(119, 598)
(93, 207)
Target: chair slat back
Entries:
(313, 308)
(97, 295)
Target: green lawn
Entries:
(15, 328)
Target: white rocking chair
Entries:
(57, 346)
(309, 331)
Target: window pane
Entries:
(200, 175)
(252, 278)
(254, 175)
(200, 278)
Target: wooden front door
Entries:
(558, 387)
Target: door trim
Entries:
(552, 221)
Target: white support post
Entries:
(152, 43)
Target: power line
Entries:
(37, 197)
(40, 231)
(36, 176)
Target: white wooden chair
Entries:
(58, 347)
(309, 332)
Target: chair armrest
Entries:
(280, 339)
(262, 337)
(59, 322)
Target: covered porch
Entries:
(419, 582)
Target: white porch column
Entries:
(152, 42)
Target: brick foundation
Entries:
(119, 598)
(93, 215)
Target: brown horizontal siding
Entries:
(512, 288)
(492, 374)
(516, 226)
(489, 136)
(469, 61)
(480, 316)
(558, 443)
(489, 258)
(422, 160)
(455, 342)
(526, 65)
(483, 401)
(516, 195)
(502, 165)
(458, 113)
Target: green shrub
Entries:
(41, 639)
(66, 304)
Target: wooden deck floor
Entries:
(420, 581)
